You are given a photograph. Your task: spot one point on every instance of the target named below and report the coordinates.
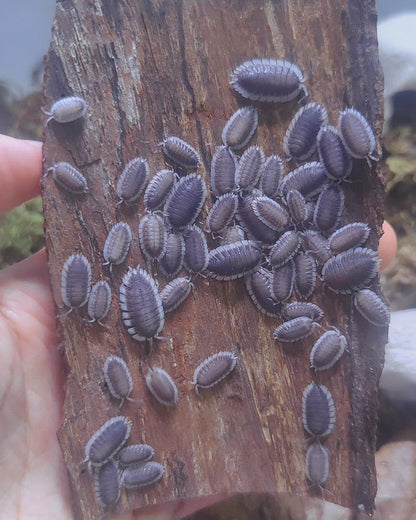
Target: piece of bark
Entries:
(149, 70)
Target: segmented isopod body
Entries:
(162, 386)
(296, 204)
(117, 377)
(231, 235)
(350, 270)
(327, 350)
(152, 236)
(372, 307)
(99, 301)
(356, 134)
(223, 166)
(332, 153)
(329, 208)
(171, 262)
(300, 139)
(135, 454)
(67, 109)
(233, 260)
(317, 464)
(258, 285)
(117, 244)
(297, 309)
(305, 278)
(308, 179)
(240, 128)
(196, 250)
(145, 475)
(270, 175)
(76, 281)
(284, 249)
(69, 178)
(268, 80)
(158, 189)
(214, 369)
(133, 180)
(185, 201)
(141, 306)
(316, 244)
(270, 212)
(107, 484)
(249, 166)
(283, 281)
(174, 293)
(180, 153)
(222, 212)
(318, 410)
(108, 440)
(349, 236)
(294, 330)
(250, 222)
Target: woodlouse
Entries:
(232, 234)
(180, 153)
(99, 301)
(300, 139)
(270, 213)
(175, 293)
(270, 175)
(171, 262)
(283, 281)
(133, 180)
(214, 369)
(152, 236)
(145, 475)
(67, 109)
(75, 281)
(332, 153)
(69, 178)
(329, 208)
(327, 350)
(356, 134)
(296, 204)
(107, 484)
(372, 307)
(240, 128)
(316, 244)
(118, 378)
(297, 309)
(294, 330)
(317, 464)
(222, 213)
(268, 80)
(158, 189)
(185, 201)
(318, 410)
(284, 249)
(248, 169)
(258, 285)
(107, 440)
(308, 179)
(162, 386)
(196, 250)
(223, 166)
(135, 454)
(141, 306)
(349, 236)
(117, 244)
(250, 222)
(233, 260)
(305, 274)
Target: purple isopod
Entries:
(67, 109)
(270, 213)
(223, 166)
(300, 139)
(372, 307)
(118, 378)
(309, 179)
(222, 212)
(356, 134)
(185, 201)
(107, 484)
(317, 464)
(234, 260)
(196, 250)
(152, 236)
(294, 330)
(283, 281)
(99, 301)
(332, 153)
(284, 249)
(297, 309)
(349, 236)
(258, 285)
(329, 208)
(162, 386)
(327, 350)
(133, 180)
(144, 475)
(117, 244)
(158, 189)
(130, 456)
(107, 440)
(141, 306)
(232, 234)
(350, 270)
(171, 262)
(296, 204)
(180, 153)
(268, 80)
(250, 222)
(175, 293)
(270, 175)
(305, 277)
(316, 244)
(240, 128)
(75, 281)
(318, 410)
(248, 170)
(69, 178)
(214, 369)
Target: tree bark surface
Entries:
(149, 70)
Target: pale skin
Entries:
(33, 479)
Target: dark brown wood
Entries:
(151, 69)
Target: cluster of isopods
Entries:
(277, 231)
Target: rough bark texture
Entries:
(151, 69)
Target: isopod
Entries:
(99, 301)
(356, 134)
(327, 350)
(240, 128)
(248, 169)
(329, 208)
(171, 262)
(180, 153)
(249, 221)
(233, 260)
(107, 484)
(67, 109)
(175, 293)
(297, 309)
(268, 80)
(332, 153)
(372, 308)
(284, 249)
(118, 378)
(69, 178)
(162, 386)
(222, 213)
(152, 236)
(294, 330)
(117, 244)
(305, 277)
(75, 281)
(258, 285)
(223, 166)
(318, 410)
(349, 236)
(196, 250)
(144, 475)
(316, 244)
(107, 440)
(135, 454)
(133, 180)
(185, 201)
(270, 213)
(270, 175)
(296, 204)
(308, 179)
(317, 464)
(232, 234)
(158, 189)
(214, 369)
(283, 281)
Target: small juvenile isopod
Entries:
(240, 128)
(118, 378)
(234, 260)
(141, 306)
(305, 277)
(270, 213)
(248, 169)
(75, 281)
(175, 293)
(250, 222)
(356, 134)
(372, 307)
(258, 285)
(296, 204)
(99, 301)
(185, 201)
(69, 178)
(317, 464)
(222, 213)
(162, 386)
(268, 80)
(329, 208)
(196, 250)
(284, 249)
(152, 236)
(332, 153)
(107, 440)
(117, 244)
(294, 330)
(297, 309)
(145, 475)
(223, 166)
(316, 244)
(133, 180)
(270, 175)
(283, 281)
(158, 189)
(171, 262)
(214, 369)
(232, 234)
(300, 139)
(308, 179)
(134, 454)
(107, 484)
(349, 236)
(318, 410)
(180, 153)
(67, 109)
(327, 350)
